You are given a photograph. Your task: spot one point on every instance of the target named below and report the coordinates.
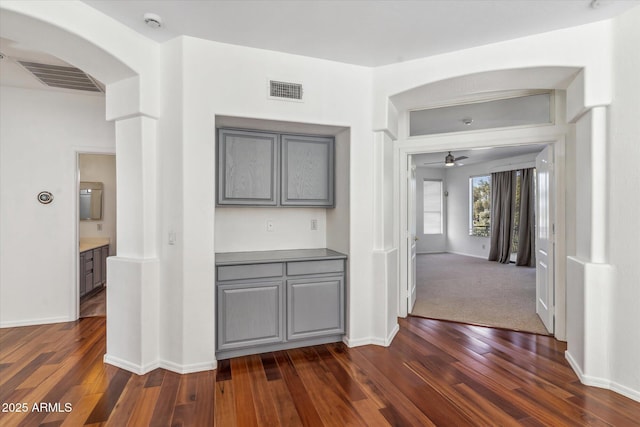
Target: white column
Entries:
(385, 255)
(132, 288)
(590, 279)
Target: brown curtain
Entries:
(526, 233)
(502, 212)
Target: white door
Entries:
(411, 237)
(544, 238)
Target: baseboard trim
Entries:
(626, 391)
(382, 342)
(484, 257)
(392, 335)
(601, 382)
(164, 364)
(188, 369)
(34, 322)
(128, 366)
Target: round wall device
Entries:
(45, 197)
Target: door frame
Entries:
(545, 135)
(77, 151)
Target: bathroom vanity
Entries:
(93, 264)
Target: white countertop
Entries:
(88, 243)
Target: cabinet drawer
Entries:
(88, 255)
(249, 271)
(315, 267)
(88, 266)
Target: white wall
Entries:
(430, 243)
(40, 134)
(624, 204)
(101, 168)
(234, 80)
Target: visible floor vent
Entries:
(62, 77)
(285, 90)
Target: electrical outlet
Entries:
(270, 226)
(99, 227)
(172, 237)
(483, 246)
(314, 224)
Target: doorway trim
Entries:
(77, 151)
(553, 136)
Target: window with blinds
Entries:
(432, 207)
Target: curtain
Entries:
(502, 212)
(526, 237)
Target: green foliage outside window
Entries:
(480, 206)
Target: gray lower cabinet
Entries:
(93, 269)
(314, 307)
(270, 306)
(250, 314)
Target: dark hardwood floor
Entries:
(434, 373)
(94, 304)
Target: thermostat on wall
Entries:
(45, 197)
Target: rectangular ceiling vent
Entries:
(63, 77)
(285, 90)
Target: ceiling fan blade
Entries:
(461, 158)
(432, 163)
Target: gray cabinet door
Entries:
(315, 307)
(103, 260)
(307, 171)
(97, 267)
(81, 276)
(250, 314)
(247, 168)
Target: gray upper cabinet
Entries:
(268, 169)
(307, 171)
(247, 168)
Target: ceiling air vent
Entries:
(62, 77)
(285, 90)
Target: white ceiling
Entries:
(362, 32)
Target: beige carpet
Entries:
(473, 290)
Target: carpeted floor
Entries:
(473, 290)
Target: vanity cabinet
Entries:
(93, 269)
(275, 300)
(270, 169)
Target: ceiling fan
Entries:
(449, 160)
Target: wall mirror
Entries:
(91, 200)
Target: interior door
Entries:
(544, 238)
(411, 237)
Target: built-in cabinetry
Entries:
(275, 300)
(93, 269)
(269, 169)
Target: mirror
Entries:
(91, 200)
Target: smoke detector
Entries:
(152, 20)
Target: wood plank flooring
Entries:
(434, 373)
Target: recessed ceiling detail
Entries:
(62, 77)
(499, 113)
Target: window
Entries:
(480, 206)
(432, 206)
